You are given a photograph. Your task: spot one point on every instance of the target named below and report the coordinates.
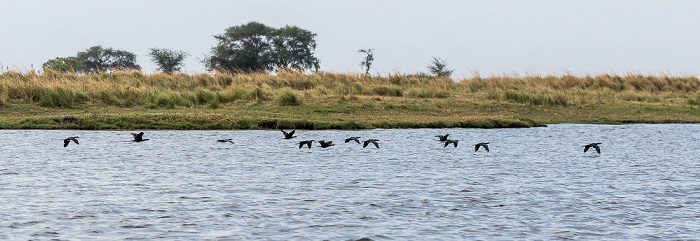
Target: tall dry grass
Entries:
(160, 90)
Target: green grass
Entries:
(132, 100)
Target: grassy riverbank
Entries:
(132, 100)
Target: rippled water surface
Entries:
(535, 183)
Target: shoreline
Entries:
(322, 100)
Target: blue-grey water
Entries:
(535, 183)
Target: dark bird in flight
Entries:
(484, 144)
(67, 140)
(307, 143)
(139, 137)
(355, 138)
(373, 141)
(225, 140)
(289, 135)
(594, 145)
(443, 138)
(325, 144)
(454, 142)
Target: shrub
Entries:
(525, 98)
(428, 93)
(258, 94)
(107, 98)
(59, 97)
(388, 91)
(694, 101)
(231, 95)
(287, 98)
(560, 100)
(164, 100)
(357, 89)
(204, 97)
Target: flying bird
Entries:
(139, 137)
(225, 140)
(289, 135)
(373, 141)
(484, 144)
(308, 143)
(443, 138)
(325, 144)
(448, 142)
(67, 140)
(355, 138)
(594, 145)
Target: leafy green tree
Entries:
(67, 64)
(97, 59)
(438, 68)
(293, 48)
(369, 58)
(168, 60)
(242, 48)
(256, 47)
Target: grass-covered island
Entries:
(133, 100)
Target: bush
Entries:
(107, 98)
(388, 91)
(560, 100)
(59, 97)
(288, 98)
(164, 100)
(694, 101)
(204, 97)
(428, 93)
(258, 94)
(231, 95)
(525, 98)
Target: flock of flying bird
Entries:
(138, 137)
(326, 144)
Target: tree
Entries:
(67, 64)
(242, 48)
(367, 62)
(96, 59)
(293, 48)
(437, 68)
(168, 60)
(255, 47)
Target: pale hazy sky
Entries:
(492, 37)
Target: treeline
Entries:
(252, 47)
(246, 48)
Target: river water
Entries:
(535, 183)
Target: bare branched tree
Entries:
(367, 62)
